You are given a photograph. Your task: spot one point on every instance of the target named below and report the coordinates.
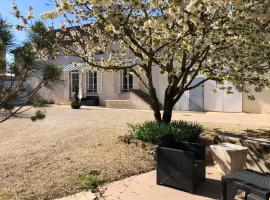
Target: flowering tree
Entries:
(221, 40)
(24, 70)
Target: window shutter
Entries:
(117, 82)
(66, 85)
(136, 82)
(99, 82)
(80, 85)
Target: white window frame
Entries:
(128, 82)
(72, 81)
(94, 82)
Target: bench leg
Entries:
(228, 191)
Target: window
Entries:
(75, 82)
(127, 81)
(92, 82)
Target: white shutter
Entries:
(136, 82)
(99, 82)
(66, 85)
(80, 85)
(117, 82)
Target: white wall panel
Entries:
(183, 103)
(212, 100)
(232, 102)
(220, 101)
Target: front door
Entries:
(74, 84)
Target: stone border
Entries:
(148, 147)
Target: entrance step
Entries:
(137, 100)
(120, 104)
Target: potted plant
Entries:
(76, 103)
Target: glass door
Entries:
(74, 84)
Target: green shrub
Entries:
(39, 115)
(89, 180)
(76, 104)
(40, 102)
(150, 131)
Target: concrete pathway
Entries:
(245, 119)
(144, 187)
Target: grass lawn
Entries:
(44, 160)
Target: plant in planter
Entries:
(151, 131)
(76, 103)
(180, 157)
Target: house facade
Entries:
(112, 88)
(116, 89)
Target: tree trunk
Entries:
(157, 115)
(168, 108)
(155, 105)
(152, 92)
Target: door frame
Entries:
(71, 92)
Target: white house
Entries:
(115, 89)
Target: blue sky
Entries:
(39, 6)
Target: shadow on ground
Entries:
(210, 188)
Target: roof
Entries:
(75, 67)
(4, 77)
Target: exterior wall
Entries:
(64, 60)
(261, 104)
(55, 94)
(203, 96)
(119, 104)
(160, 83)
(138, 103)
(220, 101)
(111, 88)
(21, 97)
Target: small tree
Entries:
(222, 40)
(76, 104)
(24, 69)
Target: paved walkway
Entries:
(144, 187)
(245, 119)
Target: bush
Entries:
(150, 131)
(39, 115)
(89, 180)
(40, 102)
(76, 103)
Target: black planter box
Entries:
(90, 101)
(180, 165)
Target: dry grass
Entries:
(41, 160)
